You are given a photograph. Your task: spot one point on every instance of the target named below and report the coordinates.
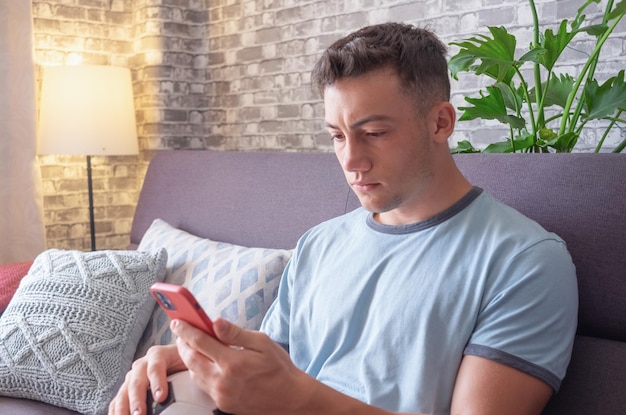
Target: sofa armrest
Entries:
(10, 277)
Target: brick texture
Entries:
(92, 32)
(234, 75)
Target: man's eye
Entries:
(336, 137)
(375, 134)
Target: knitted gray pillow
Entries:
(69, 334)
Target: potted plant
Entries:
(549, 112)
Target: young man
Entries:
(432, 298)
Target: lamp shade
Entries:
(87, 110)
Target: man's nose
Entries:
(354, 156)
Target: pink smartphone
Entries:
(178, 303)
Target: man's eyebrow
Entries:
(361, 122)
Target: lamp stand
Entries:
(92, 222)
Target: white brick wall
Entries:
(287, 37)
(234, 75)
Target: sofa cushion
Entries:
(69, 334)
(10, 277)
(229, 281)
(595, 379)
(251, 198)
(16, 406)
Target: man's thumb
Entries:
(228, 333)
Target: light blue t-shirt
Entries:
(385, 313)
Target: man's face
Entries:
(382, 144)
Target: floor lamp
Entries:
(87, 110)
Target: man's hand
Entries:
(148, 373)
(244, 372)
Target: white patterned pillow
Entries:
(229, 281)
(69, 334)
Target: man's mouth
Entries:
(363, 187)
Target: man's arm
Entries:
(257, 376)
(485, 387)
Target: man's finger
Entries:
(119, 405)
(234, 335)
(229, 337)
(136, 388)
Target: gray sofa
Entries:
(269, 199)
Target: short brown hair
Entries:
(416, 54)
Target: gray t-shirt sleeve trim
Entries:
(514, 362)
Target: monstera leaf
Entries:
(520, 101)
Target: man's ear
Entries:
(443, 119)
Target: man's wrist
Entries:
(317, 398)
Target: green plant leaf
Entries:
(493, 72)
(522, 144)
(513, 98)
(461, 62)
(564, 143)
(618, 11)
(555, 44)
(496, 54)
(464, 147)
(582, 8)
(535, 55)
(595, 30)
(561, 143)
(559, 88)
(603, 100)
(580, 16)
(499, 147)
(581, 97)
(490, 107)
(546, 135)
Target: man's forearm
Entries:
(322, 399)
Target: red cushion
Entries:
(10, 277)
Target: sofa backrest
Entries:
(269, 199)
(260, 199)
